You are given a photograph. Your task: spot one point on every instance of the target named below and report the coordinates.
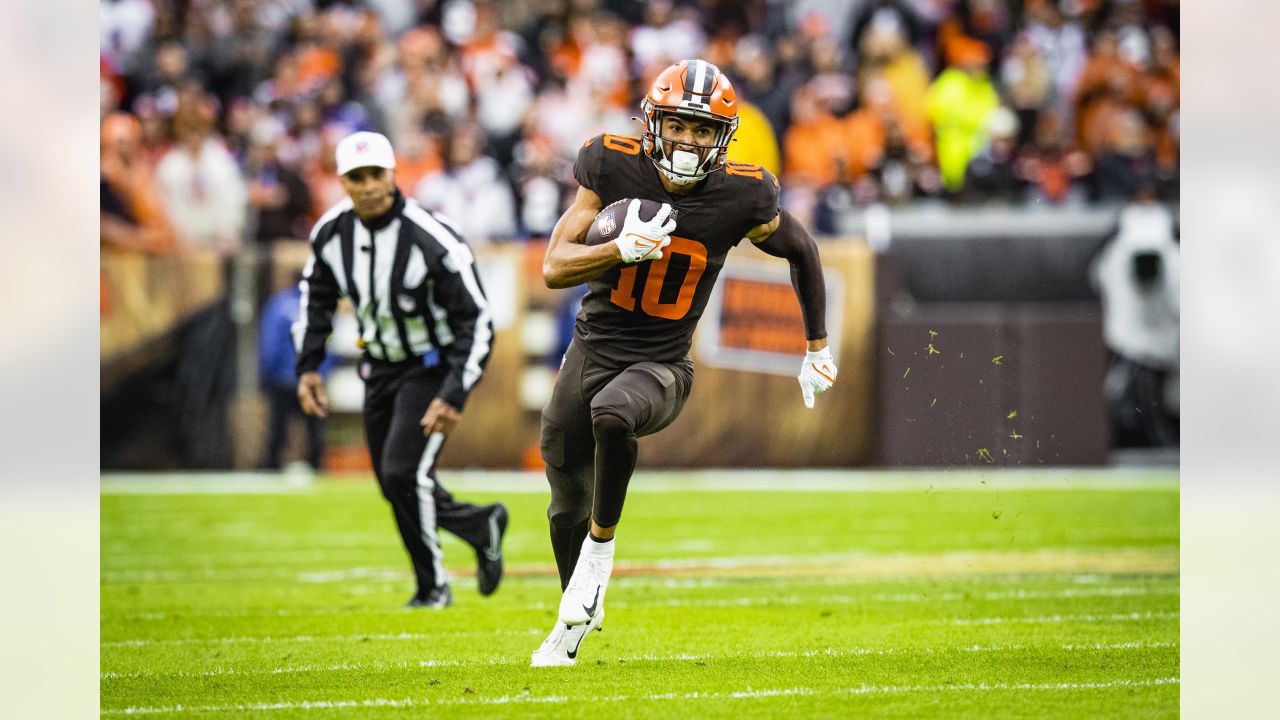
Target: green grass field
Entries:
(1033, 595)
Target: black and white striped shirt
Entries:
(413, 282)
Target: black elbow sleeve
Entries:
(792, 241)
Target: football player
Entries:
(627, 372)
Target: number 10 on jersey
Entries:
(624, 295)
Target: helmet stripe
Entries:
(701, 81)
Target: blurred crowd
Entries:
(219, 117)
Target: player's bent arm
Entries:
(569, 261)
(786, 237)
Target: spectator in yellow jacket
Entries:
(960, 102)
(755, 142)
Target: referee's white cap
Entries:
(364, 149)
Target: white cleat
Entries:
(561, 646)
(583, 599)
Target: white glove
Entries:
(644, 239)
(817, 375)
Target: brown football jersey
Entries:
(648, 310)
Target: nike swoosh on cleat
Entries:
(591, 611)
(573, 654)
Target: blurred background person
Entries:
(960, 103)
(815, 153)
(884, 53)
(867, 129)
(1137, 275)
(1051, 166)
(279, 381)
(1029, 88)
(755, 67)
(278, 196)
(470, 188)
(279, 201)
(992, 175)
(1126, 169)
(203, 191)
(502, 99)
(1061, 41)
(543, 183)
(132, 211)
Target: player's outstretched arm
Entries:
(569, 261)
(786, 238)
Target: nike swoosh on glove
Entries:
(644, 239)
(817, 375)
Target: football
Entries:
(608, 223)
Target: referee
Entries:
(426, 332)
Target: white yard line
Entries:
(685, 657)
(898, 598)
(1138, 559)
(271, 639)
(367, 637)
(657, 481)
(1048, 619)
(1060, 594)
(745, 694)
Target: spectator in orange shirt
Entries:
(868, 126)
(1107, 86)
(320, 170)
(888, 161)
(317, 59)
(814, 151)
(417, 155)
(127, 176)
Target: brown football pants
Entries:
(589, 431)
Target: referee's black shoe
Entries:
(489, 556)
(437, 598)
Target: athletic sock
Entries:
(602, 549)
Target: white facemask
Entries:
(683, 163)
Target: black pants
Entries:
(283, 403)
(1140, 417)
(589, 431)
(395, 399)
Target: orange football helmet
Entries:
(696, 90)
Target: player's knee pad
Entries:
(568, 510)
(567, 518)
(610, 428)
(551, 442)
